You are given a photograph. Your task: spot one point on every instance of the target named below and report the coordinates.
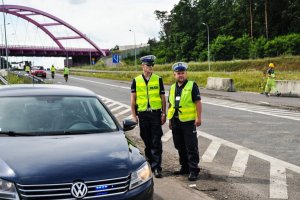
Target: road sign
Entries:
(115, 58)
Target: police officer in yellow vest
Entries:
(184, 116)
(27, 68)
(52, 69)
(66, 73)
(148, 107)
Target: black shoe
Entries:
(193, 176)
(157, 173)
(267, 94)
(182, 171)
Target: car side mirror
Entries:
(128, 125)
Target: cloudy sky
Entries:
(106, 22)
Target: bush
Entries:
(283, 45)
(256, 49)
(223, 48)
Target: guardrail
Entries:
(26, 78)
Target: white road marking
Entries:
(116, 108)
(252, 152)
(123, 112)
(278, 186)
(263, 110)
(117, 86)
(111, 104)
(104, 99)
(239, 164)
(211, 151)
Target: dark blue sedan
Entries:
(61, 142)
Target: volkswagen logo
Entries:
(79, 190)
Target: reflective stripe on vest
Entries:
(187, 110)
(145, 92)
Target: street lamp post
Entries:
(6, 48)
(134, 49)
(207, 45)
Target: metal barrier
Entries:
(28, 79)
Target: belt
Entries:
(150, 110)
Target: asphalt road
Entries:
(247, 151)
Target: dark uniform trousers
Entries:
(186, 142)
(151, 133)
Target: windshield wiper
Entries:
(13, 133)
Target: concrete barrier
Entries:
(224, 84)
(288, 87)
(3, 72)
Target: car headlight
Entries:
(8, 190)
(140, 176)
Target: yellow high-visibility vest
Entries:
(66, 70)
(187, 108)
(52, 69)
(149, 92)
(27, 68)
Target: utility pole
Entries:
(208, 59)
(6, 48)
(134, 49)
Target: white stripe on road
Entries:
(239, 164)
(117, 86)
(116, 108)
(252, 152)
(123, 112)
(269, 112)
(111, 104)
(211, 151)
(278, 186)
(110, 100)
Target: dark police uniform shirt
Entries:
(195, 94)
(270, 71)
(161, 86)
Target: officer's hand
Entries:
(135, 119)
(163, 119)
(197, 122)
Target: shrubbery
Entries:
(228, 48)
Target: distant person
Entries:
(148, 107)
(66, 73)
(27, 69)
(271, 85)
(184, 115)
(52, 69)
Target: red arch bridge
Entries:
(79, 55)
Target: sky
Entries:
(105, 22)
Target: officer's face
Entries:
(147, 68)
(180, 76)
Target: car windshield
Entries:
(46, 115)
(38, 68)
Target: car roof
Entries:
(44, 90)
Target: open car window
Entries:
(44, 115)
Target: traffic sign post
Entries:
(116, 58)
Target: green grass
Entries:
(283, 63)
(253, 80)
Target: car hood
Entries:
(51, 159)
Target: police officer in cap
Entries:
(184, 116)
(148, 107)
